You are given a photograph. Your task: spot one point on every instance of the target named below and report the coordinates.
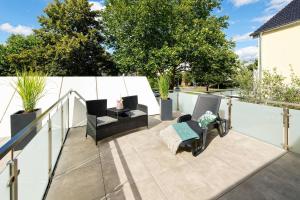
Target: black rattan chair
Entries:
(98, 122)
(204, 103)
(138, 112)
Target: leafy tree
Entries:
(22, 52)
(18, 54)
(72, 38)
(186, 78)
(156, 36)
(4, 68)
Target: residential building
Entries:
(279, 41)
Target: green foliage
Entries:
(164, 85)
(18, 54)
(272, 87)
(186, 77)
(4, 69)
(153, 83)
(156, 36)
(69, 42)
(72, 35)
(246, 82)
(30, 86)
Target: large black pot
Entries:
(20, 120)
(166, 109)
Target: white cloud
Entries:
(19, 29)
(232, 22)
(241, 38)
(247, 53)
(262, 19)
(238, 3)
(272, 7)
(97, 5)
(276, 5)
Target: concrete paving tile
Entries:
(122, 170)
(114, 149)
(73, 156)
(217, 173)
(158, 160)
(146, 189)
(82, 183)
(146, 141)
(178, 182)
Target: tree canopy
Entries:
(69, 42)
(156, 36)
(19, 53)
(147, 37)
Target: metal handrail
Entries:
(16, 139)
(286, 104)
(74, 91)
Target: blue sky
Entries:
(20, 16)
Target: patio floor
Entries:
(138, 165)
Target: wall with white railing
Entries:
(110, 88)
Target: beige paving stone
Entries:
(158, 160)
(146, 190)
(145, 141)
(178, 182)
(77, 155)
(115, 147)
(122, 170)
(217, 173)
(79, 184)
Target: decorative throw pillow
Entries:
(206, 119)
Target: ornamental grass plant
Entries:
(30, 85)
(163, 85)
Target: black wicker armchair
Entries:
(138, 112)
(99, 124)
(204, 103)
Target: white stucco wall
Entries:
(110, 88)
(280, 49)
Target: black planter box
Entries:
(166, 109)
(20, 120)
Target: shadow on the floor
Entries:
(133, 187)
(115, 188)
(153, 122)
(278, 180)
(210, 137)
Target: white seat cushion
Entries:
(105, 120)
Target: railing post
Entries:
(13, 182)
(62, 124)
(177, 103)
(229, 112)
(286, 125)
(49, 146)
(68, 112)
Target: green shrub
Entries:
(272, 87)
(163, 85)
(153, 83)
(30, 86)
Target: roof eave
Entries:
(256, 34)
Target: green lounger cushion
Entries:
(184, 131)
